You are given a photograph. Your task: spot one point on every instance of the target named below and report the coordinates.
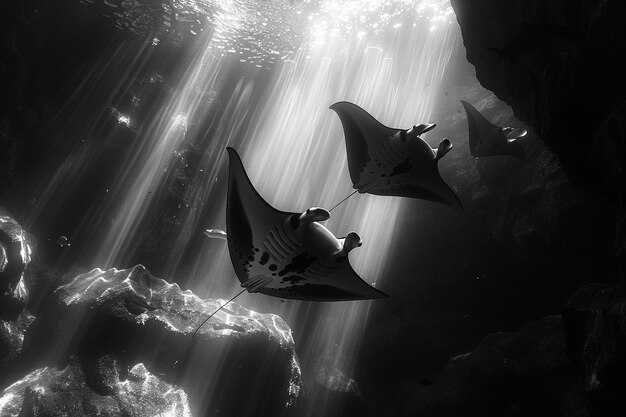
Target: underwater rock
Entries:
(11, 341)
(335, 379)
(595, 324)
(15, 256)
(54, 392)
(525, 373)
(139, 318)
(337, 388)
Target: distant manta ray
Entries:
(393, 162)
(284, 254)
(487, 139)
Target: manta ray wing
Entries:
(513, 148)
(362, 134)
(487, 139)
(270, 256)
(324, 281)
(425, 185)
(249, 218)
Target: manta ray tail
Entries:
(444, 147)
(215, 312)
(345, 199)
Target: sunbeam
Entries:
(387, 57)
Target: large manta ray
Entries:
(487, 139)
(287, 255)
(393, 162)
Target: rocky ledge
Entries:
(135, 318)
(524, 373)
(123, 342)
(50, 392)
(569, 365)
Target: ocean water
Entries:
(136, 101)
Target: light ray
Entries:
(296, 158)
(292, 146)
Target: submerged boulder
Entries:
(11, 341)
(595, 323)
(15, 256)
(139, 318)
(525, 373)
(64, 392)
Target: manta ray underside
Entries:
(287, 255)
(393, 162)
(487, 139)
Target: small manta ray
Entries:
(287, 255)
(487, 139)
(393, 162)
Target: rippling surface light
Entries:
(386, 56)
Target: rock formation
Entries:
(525, 373)
(106, 342)
(558, 65)
(51, 392)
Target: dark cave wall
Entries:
(559, 64)
(526, 241)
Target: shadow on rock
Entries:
(137, 318)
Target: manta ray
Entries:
(487, 139)
(287, 255)
(393, 162)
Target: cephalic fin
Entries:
(444, 147)
(353, 240)
(420, 129)
(513, 134)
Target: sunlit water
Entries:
(296, 157)
(372, 53)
